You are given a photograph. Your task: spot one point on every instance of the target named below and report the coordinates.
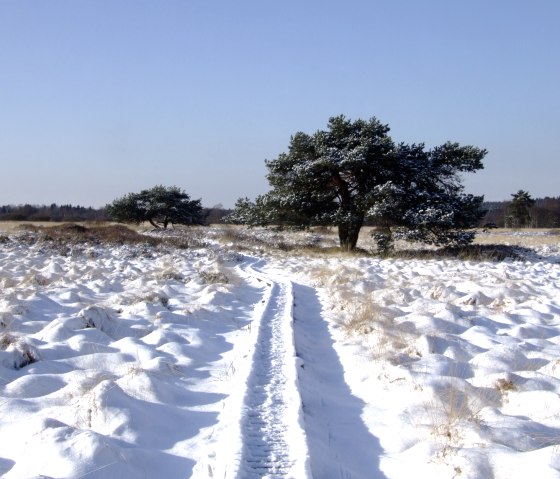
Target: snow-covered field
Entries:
(136, 361)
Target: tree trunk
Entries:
(348, 234)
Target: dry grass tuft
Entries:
(213, 277)
(6, 340)
(505, 385)
(455, 405)
(363, 318)
(66, 235)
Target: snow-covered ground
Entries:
(138, 361)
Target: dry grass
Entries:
(270, 240)
(6, 339)
(492, 245)
(66, 235)
(496, 245)
(213, 276)
(529, 237)
(11, 226)
(505, 385)
(74, 233)
(362, 319)
(454, 405)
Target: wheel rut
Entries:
(274, 443)
(265, 431)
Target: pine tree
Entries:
(160, 206)
(520, 209)
(353, 171)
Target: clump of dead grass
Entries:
(275, 239)
(505, 385)
(455, 406)
(6, 340)
(362, 318)
(473, 252)
(213, 276)
(71, 233)
(63, 237)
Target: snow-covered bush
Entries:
(15, 352)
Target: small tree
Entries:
(520, 209)
(160, 206)
(353, 170)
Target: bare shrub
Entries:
(213, 276)
(171, 274)
(505, 385)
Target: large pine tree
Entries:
(354, 170)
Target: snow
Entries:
(134, 362)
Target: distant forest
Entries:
(545, 213)
(70, 213)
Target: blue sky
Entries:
(99, 98)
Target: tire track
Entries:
(274, 443)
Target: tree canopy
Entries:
(353, 171)
(520, 209)
(160, 206)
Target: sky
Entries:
(100, 98)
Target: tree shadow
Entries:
(340, 445)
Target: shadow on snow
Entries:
(340, 445)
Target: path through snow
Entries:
(273, 439)
(295, 359)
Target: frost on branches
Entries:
(353, 172)
(159, 205)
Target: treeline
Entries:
(544, 213)
(53, 212)
(71, 213)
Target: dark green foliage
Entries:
(545, 213)
(425, 200)
(519, 210)
(160, 206)
(51, 212)
(353, 171)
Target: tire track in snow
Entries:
(274, 443)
